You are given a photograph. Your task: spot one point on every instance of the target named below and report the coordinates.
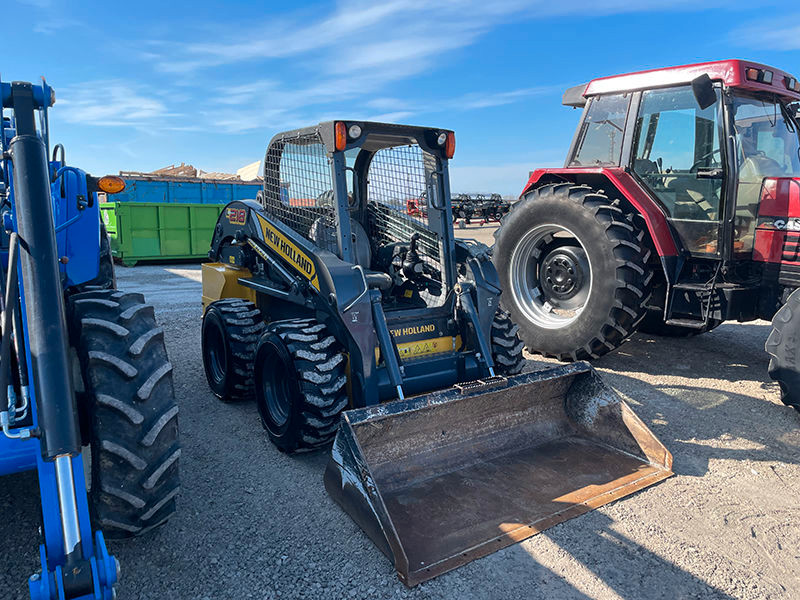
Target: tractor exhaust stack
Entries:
(442, 479)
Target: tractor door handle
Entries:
(709, 174)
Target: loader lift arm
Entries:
(74, 563)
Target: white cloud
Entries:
(477, 100)
(781, 34)
(110, 103)
(390, 117)
(52, 25)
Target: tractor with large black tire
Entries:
(346, 317)
(678, 209)
(88, 399)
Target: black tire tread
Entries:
(320, 364)
(633, 276)
(130, 399)
(244, 325)
(783, 346)
(507, 348)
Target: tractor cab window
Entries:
(600, 137)
(677, 156)
(767, 146)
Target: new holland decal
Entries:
(288, 250)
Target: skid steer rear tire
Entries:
(607, 298)
(783, 346)
(125, 390)
(300, 384)
(231, 328)
(506, 346)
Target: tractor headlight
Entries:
(441, 139)
(354, 132)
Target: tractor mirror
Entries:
(704, 91)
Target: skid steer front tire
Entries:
(126, 393)
(574, 271)
(783, 346)
(231, 328)
(506, 346)
(300, 384)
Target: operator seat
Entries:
(323, 234)
(694, 198)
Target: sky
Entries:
(209, 83)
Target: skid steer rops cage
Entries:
(329, 293)
(299, 191)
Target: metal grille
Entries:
(298, 189)
(398, 204)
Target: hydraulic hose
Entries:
(11, 302)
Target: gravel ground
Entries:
(254, 523)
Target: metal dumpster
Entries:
(159, 231)
(184, 190)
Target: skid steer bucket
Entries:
(442, 479)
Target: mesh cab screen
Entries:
(298, 189)
(397, 202)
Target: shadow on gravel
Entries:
(732, 352)
(681, 387)
(626, 567)
(697, 425)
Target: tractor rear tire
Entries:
(506, 346)
(128, 400)
(300, 384)
(653, 324)
(783, 346)
(231, 328)
(574, 271)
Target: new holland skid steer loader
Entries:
(327, 294)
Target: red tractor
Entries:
(678, 208)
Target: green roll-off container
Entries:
(159, 231)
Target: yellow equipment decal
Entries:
(287, 249)
(418, 348)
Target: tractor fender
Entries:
(654, 216)
(665, 241)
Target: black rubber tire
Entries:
(783, 346)
(620, 274)
(128, 399)
(300, 362)
(231, 328)
(653, 324)
(506, 346)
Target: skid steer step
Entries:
(442, 479)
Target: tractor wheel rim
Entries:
(551, 276)
(276, 391)
(217, 357)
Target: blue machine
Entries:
(52, 250)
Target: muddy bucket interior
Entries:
(442, 479)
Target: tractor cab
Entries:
(703, 164)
